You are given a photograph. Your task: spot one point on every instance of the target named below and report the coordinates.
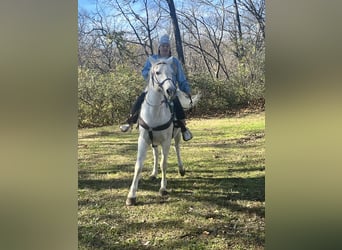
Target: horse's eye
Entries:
(157, 73)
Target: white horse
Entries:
(155, 122)
(187, 104)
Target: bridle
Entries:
(160, 84)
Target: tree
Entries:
(142, 23)
(238, 41)
(256, 8)
(206, 34)
(179, 46)
(101, 46)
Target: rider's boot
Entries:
(128, 125)
(133, 117)
(186, 134)
(125, 127)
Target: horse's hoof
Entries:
(163, 192)
(131, 201)
(153, 178)
(182, 172)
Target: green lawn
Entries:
(218, 204)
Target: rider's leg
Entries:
(134, 114)
(180, 115)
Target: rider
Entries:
(164, 51)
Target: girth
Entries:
(143, 124)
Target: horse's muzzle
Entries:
(171, 92)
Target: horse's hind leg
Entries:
(181, 169)
(142, 149)
(154, 173)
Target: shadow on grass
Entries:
(98, 184)
(192, 237)
(103, 133)
(223, 192)
(89, 236)
(84, 174)
(220, 191)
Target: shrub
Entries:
(223, 96)
(105, 99)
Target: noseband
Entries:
(160, 84)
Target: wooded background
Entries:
(220, 43)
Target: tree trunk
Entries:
(239, 46)
(178, 38)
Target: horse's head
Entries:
(161, 76)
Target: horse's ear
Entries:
(169, 60)
(152, 60)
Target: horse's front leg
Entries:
(142, 149)
(181, 169)
(163, 167)
(154, 174)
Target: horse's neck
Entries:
(154, 98)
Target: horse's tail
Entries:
(186, 102)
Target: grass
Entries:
(218, 204)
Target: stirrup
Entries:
(187, 135)
(125, 127)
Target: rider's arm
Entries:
(181, 79)
(146, 69)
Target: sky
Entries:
(86, 4)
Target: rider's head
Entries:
(164, 49)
